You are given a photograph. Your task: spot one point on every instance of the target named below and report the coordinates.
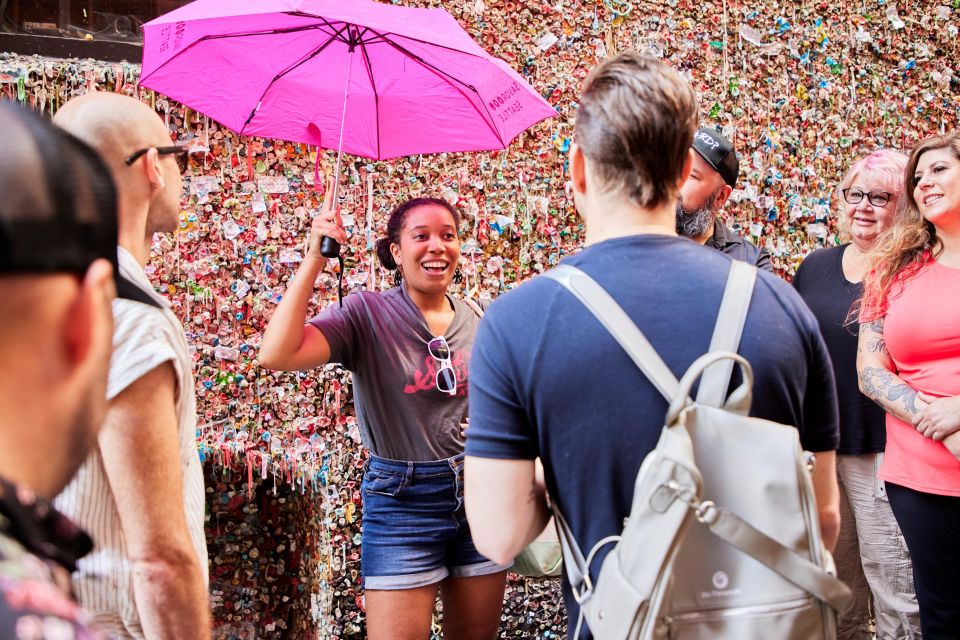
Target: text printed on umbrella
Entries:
(177, 32)
(502, 103)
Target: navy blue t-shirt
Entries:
(548, 380)
(828, 293)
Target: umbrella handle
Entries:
(329, 248)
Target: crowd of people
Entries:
(452, 490)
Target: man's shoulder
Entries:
(144, 337)
(136, 323)
(776, 297)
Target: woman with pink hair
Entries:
(871, 555)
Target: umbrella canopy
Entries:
(416, 81)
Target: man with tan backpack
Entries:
(686, 510)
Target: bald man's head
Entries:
(119, 126)
(115, 125)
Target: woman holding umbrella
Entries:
(408, 349)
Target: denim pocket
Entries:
(383, 484)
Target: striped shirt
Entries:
(144, 337)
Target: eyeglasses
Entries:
(876, 198)
(179, 154)
(446, 377)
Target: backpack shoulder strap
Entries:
(727, 332)
(127, 290)
(612, 316)
(477, 309)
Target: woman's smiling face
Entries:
(936, 187)
(429, 249)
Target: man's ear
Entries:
(89, 319)
(151, 169)
(578, 168)
(722, 197)
(687, 168)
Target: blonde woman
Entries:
(871, 555)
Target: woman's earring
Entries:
(397, 278)
(457, 276)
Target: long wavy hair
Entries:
(911, 240)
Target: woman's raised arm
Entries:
(289, 344)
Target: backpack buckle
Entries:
(706, 512)
(582, 595)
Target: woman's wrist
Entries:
(312, 263)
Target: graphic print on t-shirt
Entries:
(425, 376)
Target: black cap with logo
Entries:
(719, 154)
(59, 208)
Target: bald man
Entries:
(140, 494)
(57, 236)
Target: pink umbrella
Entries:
(416, 82)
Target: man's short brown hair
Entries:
(635, 123)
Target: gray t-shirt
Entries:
(382, 338)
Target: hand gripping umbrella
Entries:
(415, 81)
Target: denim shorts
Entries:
(415, 529)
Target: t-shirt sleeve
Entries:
(763, 260)
(141, 343)
(499, 425)
(341, 327)
(821, 420)
(869, 310)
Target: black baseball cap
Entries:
(58, 213)
(718, 152)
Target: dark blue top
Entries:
(548, 380)
(828, 293)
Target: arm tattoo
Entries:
(876, 325)
(877, 345)
(880, 384)
(905, 393)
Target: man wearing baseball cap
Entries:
(712, 178)
(58, 232)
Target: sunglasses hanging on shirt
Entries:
(446, 376)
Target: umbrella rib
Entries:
(376, 95)
(303, 14)
(450, 78)
(299, 63)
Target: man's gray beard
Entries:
(693, 224)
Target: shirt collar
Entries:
(131, 270)
(41, 529)
(722, 236)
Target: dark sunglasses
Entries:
(178, 153)
(876, 198)
(446, 377)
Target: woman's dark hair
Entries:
(399, 217)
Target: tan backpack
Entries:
(723, 539)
